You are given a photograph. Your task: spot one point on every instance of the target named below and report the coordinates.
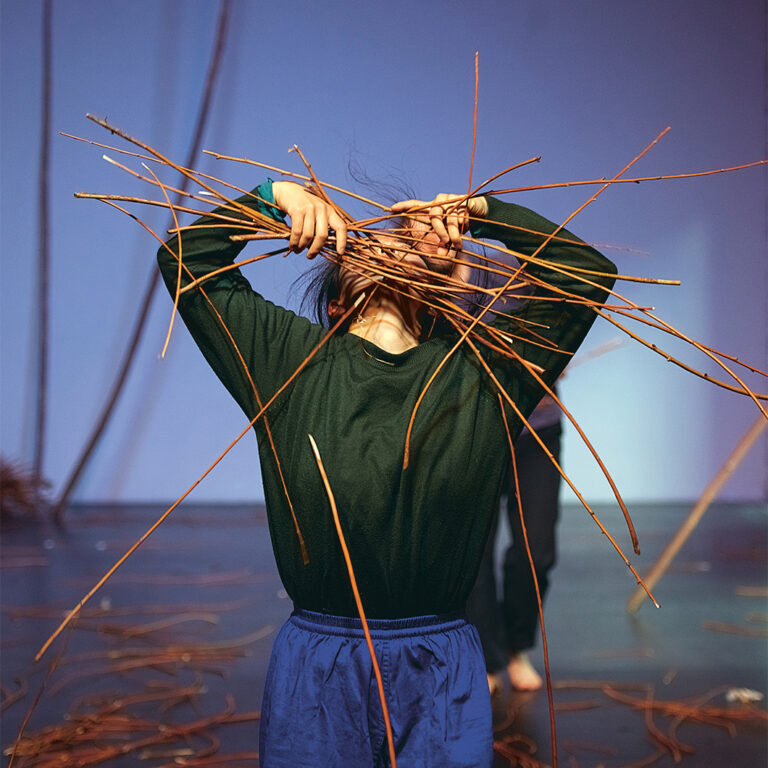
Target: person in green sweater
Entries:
(416, 534)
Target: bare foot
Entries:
(494, 684)
(521, 673)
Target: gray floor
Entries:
(210, 574)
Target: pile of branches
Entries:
(22, 494)
(100, 732)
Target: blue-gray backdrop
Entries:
(389, 86)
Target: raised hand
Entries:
(437, 226)
(311, 218)
(447, 217)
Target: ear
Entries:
(335, 309)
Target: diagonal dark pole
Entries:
(43, 213)
(140, 324)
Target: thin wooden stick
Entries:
(358, 602)
(449, 354)
(674, 360)
(159, 160)
(246, 371)
(694, 517)
(180, 259)
(563, 184)
(198, 281)
(293, 175)
(572, 269)
(458, 201)
(194, 485)
(544, 646)
(33, 706)
(474, 124)
(744, 389)
(178, 191)
(557, 466)
(667, 328)
(701, 346)
(319, 186)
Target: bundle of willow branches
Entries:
(464, 305)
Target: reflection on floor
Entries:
(171, 654)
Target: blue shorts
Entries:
(321, 703)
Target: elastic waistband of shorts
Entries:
(347, 626)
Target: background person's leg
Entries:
(539, 489)
(484, 609)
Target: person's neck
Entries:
(383, 325)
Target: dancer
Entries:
(416, 534)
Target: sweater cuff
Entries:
(264, 201)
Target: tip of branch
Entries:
(304, 553)
(108, 159)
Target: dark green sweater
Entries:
(415, 536)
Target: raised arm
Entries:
(561, 325)
(268, 339)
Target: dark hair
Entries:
(322, 284)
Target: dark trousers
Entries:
(507, 623)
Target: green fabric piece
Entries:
(416, 536)
(265, 201)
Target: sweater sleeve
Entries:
(560, 326)
(243, 336)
